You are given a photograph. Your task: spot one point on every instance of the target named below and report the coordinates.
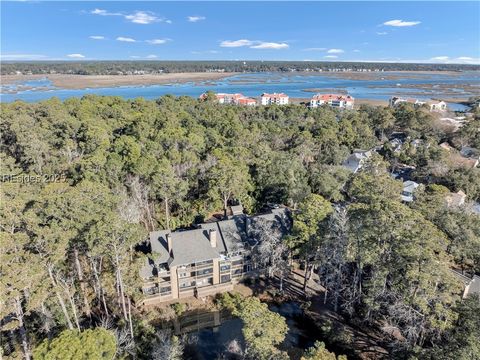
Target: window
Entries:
(204, 262)
(237, 272)
(224, 278)
(225, 267)
(204, 282)
(186, 284)
(204, 271)
(150, 290)
(166, 289)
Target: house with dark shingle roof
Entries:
(203, 261)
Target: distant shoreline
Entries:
(77, 82)
(82, 82)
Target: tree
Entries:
(168, 186)
(383, 120)
(373, 183)
(167, 347)
(328, 181)
(403, 274)
(271, 253)
(461, 227)
(461, 342)
(262, 329)
(95, 344)
(228, 178)
(319, 352)
(281, 179)
(305, 237)
(333, 255)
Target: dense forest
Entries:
(85, 180)
(152, 67)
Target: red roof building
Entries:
(275, 98)
(234, 99)
(334, 100)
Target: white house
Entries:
(356, 160)
(437, 105)
(275, 98)
(334, 100)
(409, 188)
(395, 101)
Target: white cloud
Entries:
(142, 17)
(150, 57)
(138, 17)
(97, 37)
(125, 39)
(315, 49)
(401, 23)
(335, 51)
(158, 41)
(457, 60)
(356, 51)
(270, 45)
(331, 57)
(382, 33)
(236, 43)
(104, 13)
(253, 44)
(195, 18)
(205, 52)
(76, 56)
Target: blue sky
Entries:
(444, 32)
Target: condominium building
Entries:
(247, 101)
(334, 100)
(233, 99)
(437, 105)
(275, 98)
(432, 105)
(395, 101)
(204, 261)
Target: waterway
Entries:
(212, 333)
(379, 86)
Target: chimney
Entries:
(169, 243)
(212, 235)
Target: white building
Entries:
(409, 188)
(334, 100)
(437, 106)
(432, 104)
(356, 160)
(275, 98)
(394, 101)
(234, 99)
(471, 284)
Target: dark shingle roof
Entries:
(191, 246)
